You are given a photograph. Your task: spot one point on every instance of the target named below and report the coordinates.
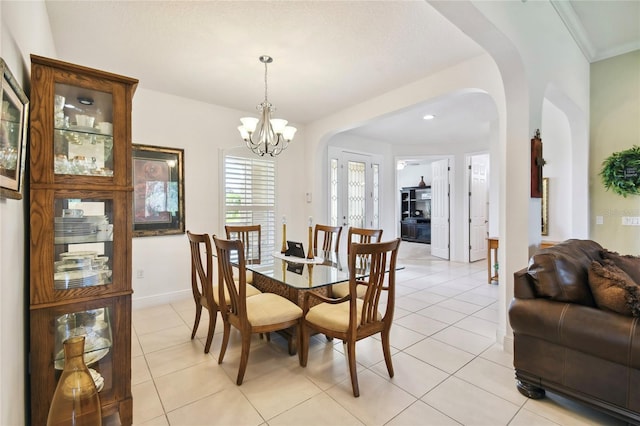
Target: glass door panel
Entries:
(83, 136)
(83, 242)
(95, 326)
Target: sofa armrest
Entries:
(522, 286)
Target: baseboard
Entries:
(160, 299)
(507, 344)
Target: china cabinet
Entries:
(415, 214)
(80, 230)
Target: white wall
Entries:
(411, 175)
(204, 131)
(530, 61)
(24, 30)
(556, 142)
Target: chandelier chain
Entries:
(266, 135)
(265, 83)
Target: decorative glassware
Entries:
(75, 401)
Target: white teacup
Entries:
(84, 120)
(105, 128)
(59, 103)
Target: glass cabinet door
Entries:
(83, 237)
(104, 324)
(95, 326)
(83, 135)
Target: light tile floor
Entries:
(448, 368)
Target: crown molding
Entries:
(575, 27)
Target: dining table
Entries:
(291, 277)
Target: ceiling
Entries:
(328, 55)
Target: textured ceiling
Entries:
(328, 55)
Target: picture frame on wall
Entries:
(13, 135)
(158, 191)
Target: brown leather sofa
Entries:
(564, 343)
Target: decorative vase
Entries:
(75, 401)
(422, 183)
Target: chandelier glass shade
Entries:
(266, 135)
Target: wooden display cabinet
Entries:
(415, 214)
(80, 230)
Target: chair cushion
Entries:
(251, 291)
(342, 290)
(269, 308)
(334, 316)
(629, 264)
(613, 289)
(236, 276)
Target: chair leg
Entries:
(303, 345)
(213, 316)
(197, 320)
(225, 341)
(351, 354)
(244, 356)
(386, 349)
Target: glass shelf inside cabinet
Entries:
(83, 137)
(83, 243)
(95, 326)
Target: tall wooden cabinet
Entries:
(80, 230)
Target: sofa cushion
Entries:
(629, 264)
(560, 272)
(613, 289)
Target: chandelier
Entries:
(266, 135)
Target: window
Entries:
(250, 195)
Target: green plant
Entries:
(621, 172)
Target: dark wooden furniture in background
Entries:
(537, 161)
(415, 214)
(80, 230)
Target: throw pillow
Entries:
(613, 289)
(629, 264)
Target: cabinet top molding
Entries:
(67, 66)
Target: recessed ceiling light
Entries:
(429, 117)
(85, 101)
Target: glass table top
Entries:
(326, 269)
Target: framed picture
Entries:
(158, 191)
(13, 135)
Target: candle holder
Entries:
(310, 251)
(284, 238)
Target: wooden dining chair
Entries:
(263, 313)
(251, 237)
(352, 318)
(362, 236)
(328, 236)
(205, 293)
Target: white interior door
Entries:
(478, 207)
(440, 209)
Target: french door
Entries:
(478, 207)
(354, 191)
